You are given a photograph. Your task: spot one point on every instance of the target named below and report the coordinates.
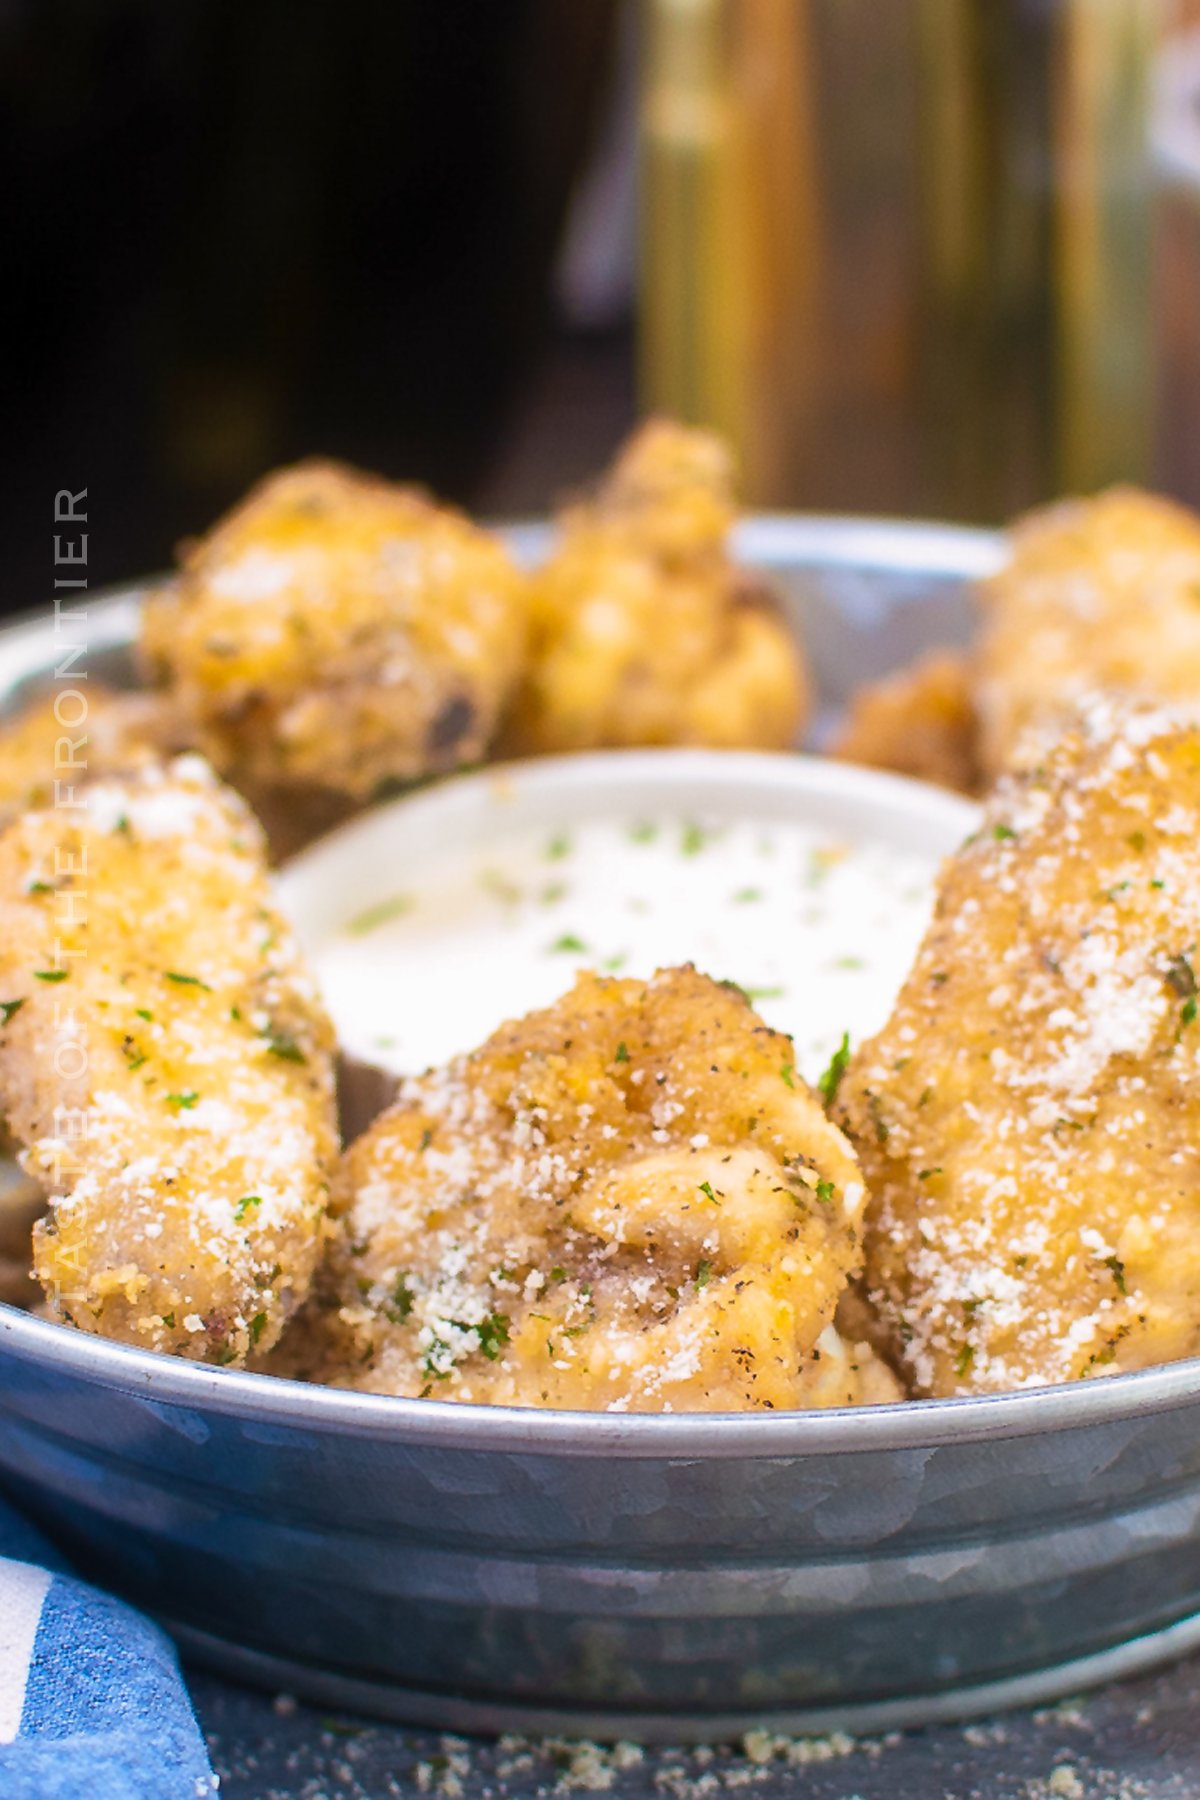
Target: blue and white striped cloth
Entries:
(91, 1699)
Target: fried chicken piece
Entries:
(166, 1062)
(1100, 594)
(628, 1201)
(644, 631)
(336, 631)
(52, 740)
(1028, 1121)
(919, 721)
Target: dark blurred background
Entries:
(931, 257)
(241, 231)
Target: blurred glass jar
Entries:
(904, 254)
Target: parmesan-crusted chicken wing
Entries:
(1028, 1121)
(166, 1063)
(336, 631)
(629, 1201)
(61, 738)
(919, 721)
(644, 631)
(1100, 594)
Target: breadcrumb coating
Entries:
(336, 631)
(167, 1064)
(1028, 1121)
(52, 740)
(644, 631)
(1098, 595)
(628, 1201)
(920, 721)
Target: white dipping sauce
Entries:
(820, 932)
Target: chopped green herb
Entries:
(187, 980)
(568, 942)
(706, 1188)
(183, 1102)
(135, 1059)
(123, 826)
(787, 1071)
(558, 847)
(963, 1360)
(256, 1327)
(402, 1300)
(1002, 832)
(493, 1334)
(1158, 884)
(693, 840)
(754, 994)
(244, 1204)
(557, 1273)
(553, 892)
(825, 1192)
(702, 1274)
(849, 962)
(622, 1053)
(41, 887)
(168, 1320)
(426, 1138)
(829, 1083)
(1118, 1272)
(925, 1174)
(1181, 977)
(8, 1008)
(50, 974)
(143, 1014)
(1187, 1011)
(381, 913)
(613, 963)
(643, 832)
(746, 896)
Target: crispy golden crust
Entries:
(167, 1064)
(55, 738)
(337, 631)
(629, 1201)
(644, 631)
(1029, 1119)
(1099, 594)
(920, 721)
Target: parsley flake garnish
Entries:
(182, 980)
(50, 974)
(693, 840)
(643, 832)
(622, 1053)
(381, 913)
(41, 887)
(825, 1192)
(568, 942)
(8, 1008)
(168, 1320)
(1002, 833)
(244, 1204)
(963, 1360)
(926, 1174)
(745, 896)
(402, 1300)
(143, 1014)
(284, 1045)
(558, 847)
(256, 1328)
(183, 1102)
(706, 1188)
(829, 1082)
(787, 1072)
(493, 1334)
(702, 1274)
(1118, 1272)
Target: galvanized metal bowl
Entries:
(668, 1578)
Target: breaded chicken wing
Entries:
(166, 1063)
(52, 740)
(919, 721)
(1098, 595)
(628, 1201)
(1028, 1120)
(337, 632)
(644, 631)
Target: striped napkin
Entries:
(91, 1699)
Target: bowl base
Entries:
(490, 1718)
